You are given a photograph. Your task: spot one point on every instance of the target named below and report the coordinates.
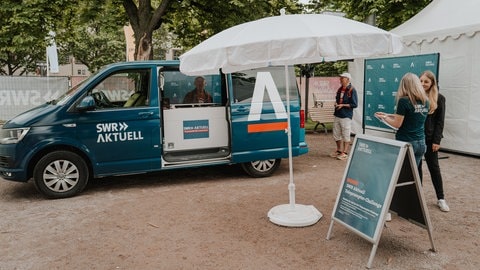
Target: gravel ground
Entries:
(216, 218)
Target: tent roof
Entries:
(441, 19)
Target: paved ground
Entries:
(216, 218)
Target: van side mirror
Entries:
(86, 104)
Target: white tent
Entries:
(451, 28)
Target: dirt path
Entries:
(216, 218)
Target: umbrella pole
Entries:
(292, 214)
(291, 185)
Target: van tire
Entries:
(261, 168)
(60, 174)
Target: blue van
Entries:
(131, 118)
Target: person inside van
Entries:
(199, 94)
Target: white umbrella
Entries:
(288, 40)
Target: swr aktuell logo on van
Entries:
(116, 132)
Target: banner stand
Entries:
(379, 177)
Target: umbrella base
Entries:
(296, 215)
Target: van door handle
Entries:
(145, 114)
(242, 109)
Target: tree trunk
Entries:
(144, 19)
(143, 49)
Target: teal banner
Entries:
(195, 129)
(365, 187)
(382, 77)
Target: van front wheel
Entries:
(60, 174)
(261, 168)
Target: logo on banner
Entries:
(195, 129)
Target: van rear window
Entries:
(244, 83)
(177, 85)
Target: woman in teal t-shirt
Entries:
(409, 118)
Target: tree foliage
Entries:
(387, 14)
(24, 26)
(92, 31)
(144, 19)
(89, 30)
(192, 21)
(196, 20)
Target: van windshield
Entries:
(68, 95)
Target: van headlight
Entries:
(11, 136)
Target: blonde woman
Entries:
(434, 134)
(411, 111)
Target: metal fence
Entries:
(18, 94)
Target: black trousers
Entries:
(434, 168)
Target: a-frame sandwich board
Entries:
(381, 176)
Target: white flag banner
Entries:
(52, 56)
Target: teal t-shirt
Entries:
(412, 128)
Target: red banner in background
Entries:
(322, 88)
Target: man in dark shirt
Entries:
(198, 95)
(345, 101)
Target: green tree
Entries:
(92, 31)
(196, 20)
(144, 19)
(89, 30)
(24, 27)
(385, 14)
(192, 21)
(188, 22)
